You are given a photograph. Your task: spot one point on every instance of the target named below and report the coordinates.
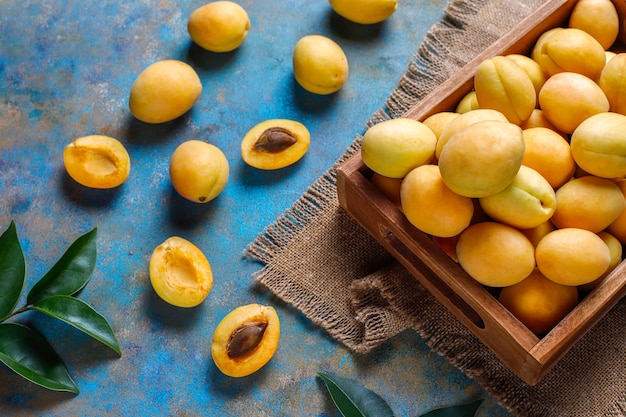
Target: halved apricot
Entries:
(275, 144)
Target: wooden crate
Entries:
(475, 306)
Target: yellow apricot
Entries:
(569, 98)
(539, 303)
(495, 254)
(588, 202)
(390, 187)
(180, 273)
(438, 121)
(483, 158)
(598, 18)
(431, 206)
(319, 64)
(538, 119)
(549, 154)
(97, 161)
(219, 26)
(535, 53)
(164, 91)
(275, 144)
(396, 146)
(532, 68)
(613, 83)
(535, 234)
(467, 103)
(599, 145)
(364, 11)
(615, 248)
(245, 340)
(501, 84)
(572, 256)
(618, 227)
(199, 171)
(572, 50)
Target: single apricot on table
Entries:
(199, 171)
(495, 254)
(220, 26)
(97, 161)
(275, 144)
(180, 273)
(538, 302)
(319, 64)
(365, 11)
(245, 340)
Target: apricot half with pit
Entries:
(180, 273)
(245, 340)
(97, 161)
(275, 144)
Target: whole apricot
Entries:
(539, 303)
(538, 119)
(390, 187)
(483, 158)
(180, 273)
(467, 103)
(612, 83)
(431, 206)
(618, 227)
(548, 153)
(535, 234)
(501, 84)
(364, 11)
(275, 144)
(572, 256)
(319, 64)
(599, 145)
(438, 121)
(164, 91)
(220, 26)
(245, 340)
(598, 18)
(199, 171)
(394, 147)
(569, 98)
(588, 202)
(97, 161)
(536, 74)
(615, 248)
(495, 254)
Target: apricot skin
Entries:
(219, 26)
(260, 355)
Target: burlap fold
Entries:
(318, 259)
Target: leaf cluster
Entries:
(354, 400)
(22, 348)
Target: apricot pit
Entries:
(275, 144)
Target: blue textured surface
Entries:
(66, 68)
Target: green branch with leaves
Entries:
(22, 348)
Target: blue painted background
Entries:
(66, 68)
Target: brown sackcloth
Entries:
(318, 259)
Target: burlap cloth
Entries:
(318, 259)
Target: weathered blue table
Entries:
(66, 68)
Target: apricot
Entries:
(535, 53)
(569, 98)
(548, 153)
(319, 64)
(164, 91)
(501, 84)
(97, 161)
(438, 121)
(538, 302)
(598, 18)
(588, 202)
(599, 145)
(483, 158)
(364, 11)
(245, 340)
(612, 83)
(199, 171)
(536, 74)
(180, 273)
(535, 234)
(615, 249)
(220, 26)
(390, 187)
(275, 144)
(572, 50)
(538, 119)
(495, 254)
(394, 147)
(431, 206)
(527, 202)
(467, 103)
(572, 256)
(618, 227)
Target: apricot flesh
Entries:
(97, 161)
(180, 273)
(275, 144)
(245, 340)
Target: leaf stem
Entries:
(16, 312)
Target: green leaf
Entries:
(12, 271)
(80, 315)
(29, 354)
(354, 400)
(71, 272)
(464, 410)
